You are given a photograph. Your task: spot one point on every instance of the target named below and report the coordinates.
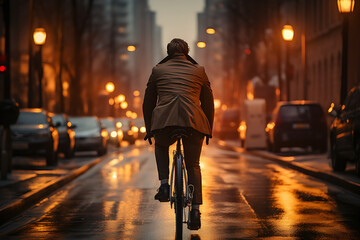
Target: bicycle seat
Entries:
(179, 133)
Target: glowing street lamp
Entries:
(128, 114)
(136, 93)
(346, 7)
(288, 36)
(110, 87)
(210, 31)
(131, 48)
(288, 33)
(123, 105)
(39, 36)
(201, 44)
(120, 98)
(39, 40)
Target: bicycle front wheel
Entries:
(179, 196)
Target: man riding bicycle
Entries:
(178, 95)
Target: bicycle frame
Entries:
(178, 153)
(189, 189)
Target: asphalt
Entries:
(26, 188)
(312, 164)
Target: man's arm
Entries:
(207, 101)
(149, 103)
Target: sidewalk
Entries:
(315, 165)
(31, 181)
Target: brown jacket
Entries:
(179, 94)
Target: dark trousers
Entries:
(192, 150)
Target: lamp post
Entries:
(345, 8)
(39, 40)
(288, 35)
(110, 88)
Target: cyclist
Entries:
(178, 95)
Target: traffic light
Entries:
(2, 63)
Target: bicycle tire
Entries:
(179, 199)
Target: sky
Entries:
(178, 19)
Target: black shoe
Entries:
(194, 221)
(163, 193)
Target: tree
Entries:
(81, 11)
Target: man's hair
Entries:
(177, 45)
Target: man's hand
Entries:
(148, 137)
(207, 139)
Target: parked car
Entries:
(345, 132)
(140, 124)
(297, 124)
(228, 124)
(89, 135)
(115, 134)
(129, 129)
(66, 134)
(35, 133)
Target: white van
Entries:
(252, 127)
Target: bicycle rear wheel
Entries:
(179, 196)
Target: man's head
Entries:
(177, 45)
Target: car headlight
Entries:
(113, 134)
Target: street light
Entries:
(345, 7)
(136, 93)
(201, 44)
(288, 33)
(288, 36)
(123, 105)
(131, 48)
(39, 36)
(110, 88)
(210, 31)
(39, 40)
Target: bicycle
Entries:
(178, 182)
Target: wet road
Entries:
(245, 197)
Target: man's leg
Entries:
(192, 149)
(162, 143)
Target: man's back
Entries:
(179, 85)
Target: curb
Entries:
(33, 197)
(336, 180)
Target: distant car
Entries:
(140, 124)
(129, 129)
(345, 132)
(229, 123)
(89, 136)
(297, 124)
(35, 133)
(115, 134)
(66, 134)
